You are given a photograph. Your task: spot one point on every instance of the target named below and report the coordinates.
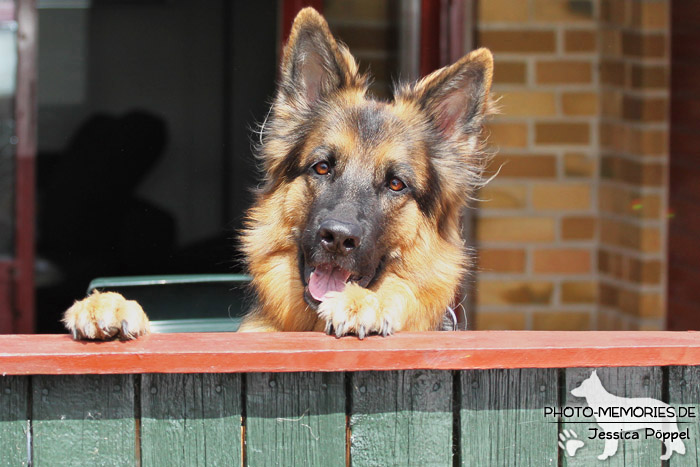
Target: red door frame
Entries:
(6, 314)
(26, 121)
(7, 13)
(433, 36)
(445, 36)
(17, 275)
(683, 264)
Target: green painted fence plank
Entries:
(295, 419)
(83, 420)
(684, 392)
(14, 420)
(191, 419)
(502, 417)
(624, 382)
(401, 418)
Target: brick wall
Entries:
(634, 157)
(571, 230)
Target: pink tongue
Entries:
(327, 278)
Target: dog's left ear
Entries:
(314, 65)
(456, 96)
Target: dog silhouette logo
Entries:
(623, 417)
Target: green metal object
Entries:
(139, 281)
(185, 303)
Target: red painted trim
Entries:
(285, 352)
(442, 33)
(430, 33)
(683, 250)
(25, 108)
(455, 38)
(290, 8)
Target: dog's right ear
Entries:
(313, 64)
(456, 96)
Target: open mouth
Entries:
(325, 278)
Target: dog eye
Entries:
(396, 185)
(322, 168)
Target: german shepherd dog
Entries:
(356, 227)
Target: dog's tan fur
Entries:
(433, 126)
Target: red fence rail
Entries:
(289, 352)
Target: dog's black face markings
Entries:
(354, 192)
(354, 186)
(344, 226)
(427, 199)
(372, 126)
(370, 123)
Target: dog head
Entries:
(589, 386)
(366, 171)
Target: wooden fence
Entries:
(447, 398)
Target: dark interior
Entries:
(145, 116)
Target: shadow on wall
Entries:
(91, 222)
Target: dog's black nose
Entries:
(339, 237)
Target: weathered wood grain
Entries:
(401, 418)
(14, 420)
(83, 420)
(684, 391)
(295, 419)
(625, 382)
(502, 417)
(191, 419)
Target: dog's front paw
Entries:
(105, 315)
(355, 310)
